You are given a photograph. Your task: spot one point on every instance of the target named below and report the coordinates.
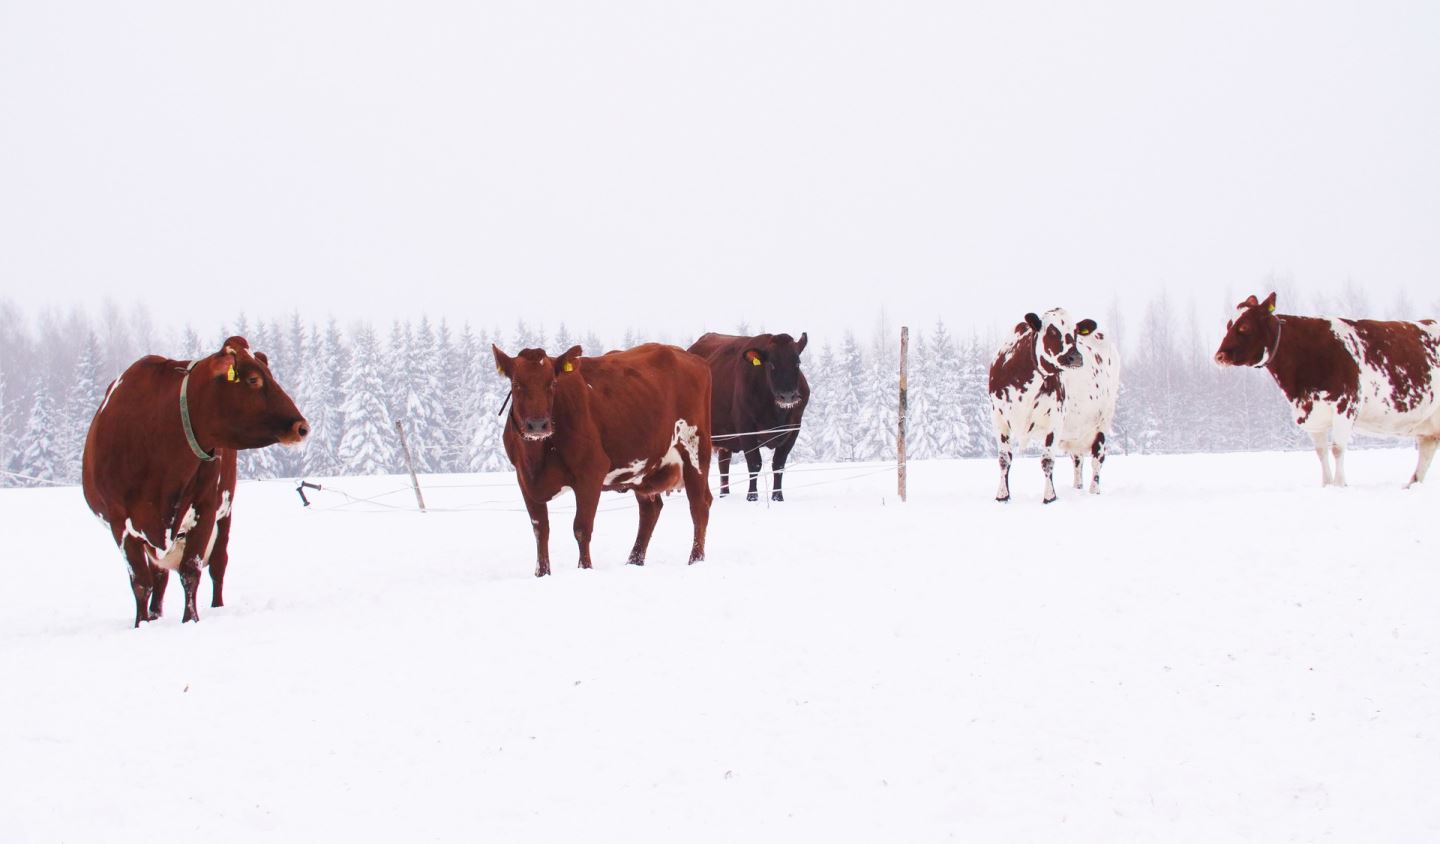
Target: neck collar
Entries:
(1270, 352)
(185, 419)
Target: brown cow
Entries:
(759, 400)
(1344, 375)
(159, 464)
(633, 420)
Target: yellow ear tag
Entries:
(230, 374)
(754, 359)
(568, 367)
(1272, 309)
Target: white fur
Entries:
(1090, 394)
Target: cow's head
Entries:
(1251, 335)
(533, 375)
(1055, 338)
(245, 406)
(776, 358)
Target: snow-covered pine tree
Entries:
(39, 458)
(974, 431)
(424, 414)
(919, 444)
(450, 436)
(880, 391)
(87, 387)
(327, 365)
(947, 431)
(485, 452)
(369, 445)
(839, 426)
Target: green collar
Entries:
(185, 418)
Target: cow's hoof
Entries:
(777, 495)
(1050, 500)
(216, 603)
(1002, 498)
(752, 496)
(724, 493)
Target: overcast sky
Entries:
(688, 165)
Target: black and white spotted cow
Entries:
(1027, 395)
(1089, 399)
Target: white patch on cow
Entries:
(108, 393)
(687, 436)
(224, 509)
(631, 473)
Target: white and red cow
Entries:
(159, 463)
(1344, 375)
(1027, 396)
(1090, 392)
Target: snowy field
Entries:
(1214, 650)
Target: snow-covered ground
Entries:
(1214, 650)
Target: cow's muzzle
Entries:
(297, 432)
(786, 401)
(1071, 359)
(536, 428)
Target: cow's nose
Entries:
(300, 429)
(1072, 359)
(537, 426)
(788, 398)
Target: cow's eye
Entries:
(254, 382)
(1244, 329)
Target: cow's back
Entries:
(638, 395)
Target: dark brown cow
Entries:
(159, 464)
(759, 400)
(633, 420)
(1344, 375)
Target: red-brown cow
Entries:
(759, 400)
(633, 420)
(1344, 375)
(159, 464)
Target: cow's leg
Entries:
(1097, 460)
(778, 460)
(752, 462)
(159, 579)
(1079, 461)
(723, 456)
(1047, 465)
(540, 524)
(197, 543)
(650, 507)
(587, 501)
(1321, 439)
(698, 495)
(1426, 445)
(141, 582)
(219, 558)
(1005, 458)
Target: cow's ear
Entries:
(222, 366)
(800, 346)
(754, 357)
(1269, 302)
(1250, 303)
(568, 361)
(504, 364)
(1033, 321)
(1085, 327)
(260, 356)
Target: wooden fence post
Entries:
(410, 464)
(904, 405)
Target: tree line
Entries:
(438, 378)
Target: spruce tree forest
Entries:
(353, 381)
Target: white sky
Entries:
(687, 165)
